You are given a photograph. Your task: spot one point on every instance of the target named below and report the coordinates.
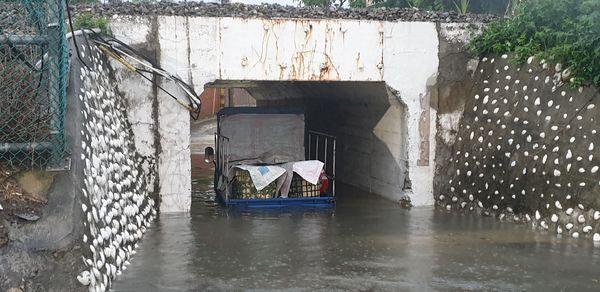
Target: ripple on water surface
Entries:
(364, 244)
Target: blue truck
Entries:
(266, 158)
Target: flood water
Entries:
(364, 244)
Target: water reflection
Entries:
(364, 244)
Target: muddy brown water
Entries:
(364, 244)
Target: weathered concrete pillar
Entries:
(188, 48)
(411, 61)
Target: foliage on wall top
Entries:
(566, 32)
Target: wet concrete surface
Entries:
(364, 244)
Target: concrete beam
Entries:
(245, 52)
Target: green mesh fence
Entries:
(33, 76)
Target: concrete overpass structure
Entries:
(375, 84)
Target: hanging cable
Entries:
(128, 56)
(122, 53)
(74, 37)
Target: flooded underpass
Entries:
(365, 244)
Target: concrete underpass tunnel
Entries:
(368, 119)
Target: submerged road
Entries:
(365, 244)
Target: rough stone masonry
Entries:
(527, 149)
(116, 202)
(269, 11)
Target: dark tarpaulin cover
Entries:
(263, 135)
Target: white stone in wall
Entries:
(460, 33)
(116, 202)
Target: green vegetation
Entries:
(417, 3)
(462, 6)
(565, 31)
(438, 5)
(498, 7)
(87, 20)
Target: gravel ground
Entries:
(277, 11)
(23, 268)
(17, 206)
(15, 20)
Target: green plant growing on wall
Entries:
(87, 20)
(511, 7)
(497, 7)
(565, 31)
(438, 5)
(357, 3)
(462, 6)
(421, 4)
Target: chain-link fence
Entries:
(33, 77)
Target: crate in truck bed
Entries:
(300, 188)
(243, 188)
(254, 136)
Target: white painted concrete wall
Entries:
(371, 147)
(140, 96)
(411, 63)
(256, 49)
(201, 49)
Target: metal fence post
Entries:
(33, 76)
(57, 82)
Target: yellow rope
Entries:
(117, 57)
(110, 53)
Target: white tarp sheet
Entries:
(262, 176)
(309, 170)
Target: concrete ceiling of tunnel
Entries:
(371, 92)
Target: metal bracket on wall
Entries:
(62, 165)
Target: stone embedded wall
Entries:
(454, 85)
(116, 202)
(526, 149)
